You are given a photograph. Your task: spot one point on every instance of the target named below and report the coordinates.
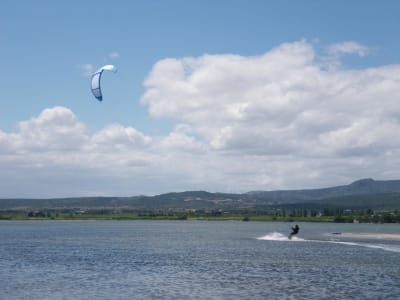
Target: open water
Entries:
(196, 260)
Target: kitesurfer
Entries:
(295, 230)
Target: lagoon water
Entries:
(197, 260)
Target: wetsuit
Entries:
(295, 230)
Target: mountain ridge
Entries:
(375, 191)
(358, 187)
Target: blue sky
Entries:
(46, 46)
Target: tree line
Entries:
(278, 214)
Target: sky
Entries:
(223, 96)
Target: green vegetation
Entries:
(364, 200)
(283, 215)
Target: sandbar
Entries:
(384, 236)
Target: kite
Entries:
(96, 79)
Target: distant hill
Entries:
(364, 193)
(359, 187)
(384, 201)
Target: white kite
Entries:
(96, 78)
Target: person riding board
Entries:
(295, 230)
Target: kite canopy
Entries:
(96, 78)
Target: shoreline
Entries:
(219, 219)
(380, 236)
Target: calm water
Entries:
(195, 260)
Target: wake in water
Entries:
(277, 236)
(391, 248)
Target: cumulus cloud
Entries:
(56, 128)
(276, 103)
(282, 103)
(275, 120)
(181, 141)
(52, 154)
(116, 136)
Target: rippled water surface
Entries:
(196, 260)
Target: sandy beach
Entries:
(385, 236)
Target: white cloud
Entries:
(87, 69)
(331, 59)
(348, 47)
(114, 55)
(180, 140)
(55, 128)
(281, 102)
(276, 120)
(116, 137)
